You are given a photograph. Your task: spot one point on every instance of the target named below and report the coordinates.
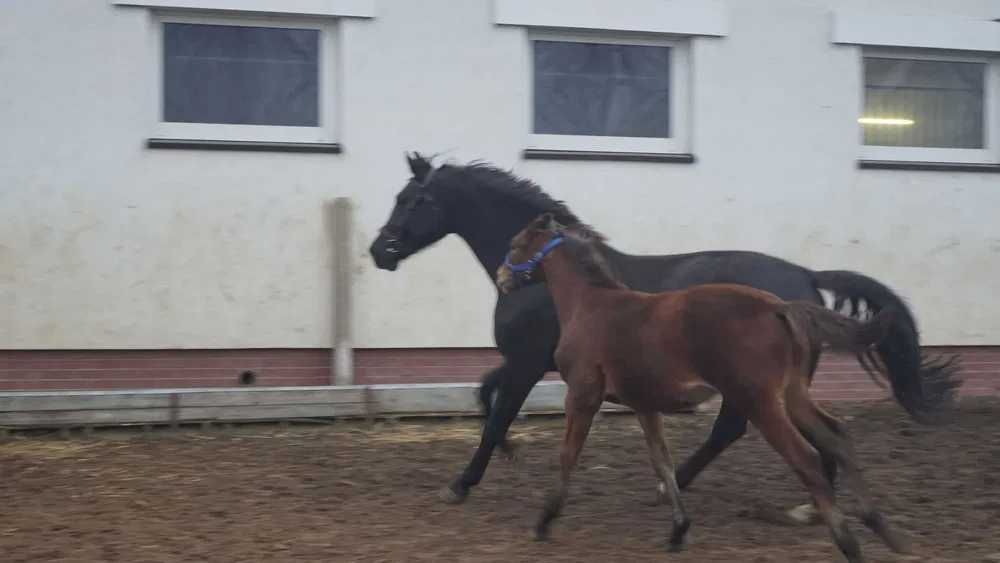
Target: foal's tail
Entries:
(813, 325)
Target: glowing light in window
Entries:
(884, 121)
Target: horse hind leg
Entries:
(659, 455)
(807, 514)
(729, 426)
(830, 435)
(777, 428)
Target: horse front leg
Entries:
(487, 389)
(663, 465)
(513, 389)
(581, 406)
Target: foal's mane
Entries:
(588, 249)
(521, 189)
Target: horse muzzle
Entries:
(508, 281)
(505, 280)
(386, 253)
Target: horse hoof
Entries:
(450, 496)
(793, 517)
(662, 498)
(540, 535)
(804, 515)
(676, 547)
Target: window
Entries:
(935, 103)
(240, 75)
(928, 107)
(241, 79)
(595, 94)
(602, 89)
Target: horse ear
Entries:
(419, 166)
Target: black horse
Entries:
(487, 206)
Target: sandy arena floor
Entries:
(347, 492)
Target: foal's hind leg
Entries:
(830, 436)
(659, 455)
(580, 410)
(807, 514)
(774, 424)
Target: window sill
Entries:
(934, 166)
(258, 146)
(555, 154)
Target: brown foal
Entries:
(659, 353)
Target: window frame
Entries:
(679, 99)
(989, 154)
(324, 132)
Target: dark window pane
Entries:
(915, 103)
(601, 89)
(240, 75)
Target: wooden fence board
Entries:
(173, 406)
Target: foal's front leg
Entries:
(580, 410)
(659, 455)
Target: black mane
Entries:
(587, 246)
(519, 188)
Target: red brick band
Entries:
(32, 370)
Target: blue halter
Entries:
(533, 262)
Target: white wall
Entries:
(106, 244)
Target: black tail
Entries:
(923, 385)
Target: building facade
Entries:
(843, 134)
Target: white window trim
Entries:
(679, 110)
(327, 8)
(928, 31)
(990, 154)
(324, 133)
(684, 17)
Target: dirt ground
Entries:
(349, 492)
